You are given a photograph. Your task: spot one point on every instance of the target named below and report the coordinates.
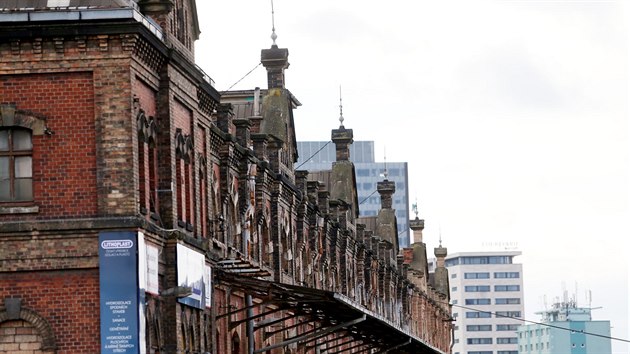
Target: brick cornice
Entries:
(18, 32)
(87, 224)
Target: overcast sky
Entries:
(512, 115)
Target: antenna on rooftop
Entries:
(340, 109)
(273, 25)
(576, 293)
(565, 296)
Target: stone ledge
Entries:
(19, 209)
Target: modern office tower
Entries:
(368, 173)
(567, 329)
(487, 298)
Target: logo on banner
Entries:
(116, 244)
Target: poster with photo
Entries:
(152, 253)
(190, 269)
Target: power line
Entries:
(241, 79)
(316, 152)
(544, 324)
(368, 197)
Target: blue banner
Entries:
(117, 253)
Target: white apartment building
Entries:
(487, 297)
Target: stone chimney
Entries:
(342, 176)
(386, 225)
(243, 132)
(256, 117)
(301, 179)
(342, 138)
(417, 225)
(260, 146)
(276, 103)
(275, 60)
(440, 276)
(418, 266)
(225, 117)
(386, 189)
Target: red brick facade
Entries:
(65, 299)
(64, 163)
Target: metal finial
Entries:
(385, 173)
(273, 25)
(440, 235)
(340, 108)
(414, 207)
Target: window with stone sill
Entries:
(16, 166)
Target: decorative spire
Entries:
(340, 110)
(440, 235)
(274, 36)
(414, 208)
(385, 173)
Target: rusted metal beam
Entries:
(263, 324)
(351, 348)
(394, 347)
(269, 334)
(337, 345)
(310, 335)
(246, 308)
(238, 323)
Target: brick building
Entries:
(142, 211)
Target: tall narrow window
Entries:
(184, 175)
(16, 165)
(147, 164)
(141, 123)
(153, 194)
(203, 194)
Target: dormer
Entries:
(178, 20)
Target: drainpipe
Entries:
(452, 336)
(250, 310)
(250, 325)
(248, 298)
(257, 101)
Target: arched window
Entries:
(265, 240)
(236, 344)
(218, 341)
(184, 174)
(33, 330)
(16, 165)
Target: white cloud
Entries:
(513, 116)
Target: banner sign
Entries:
(118, 292)
(190, 269)
(152, 269)
(143, 275)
